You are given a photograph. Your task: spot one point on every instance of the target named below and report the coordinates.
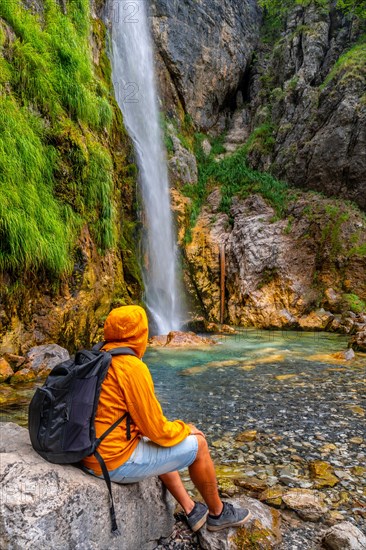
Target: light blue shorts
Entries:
(150, 459)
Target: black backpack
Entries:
(62, 412)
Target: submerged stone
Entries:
(247, 436)
(323, 474)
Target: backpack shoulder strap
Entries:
(115, 351)
(98, 347)
(122, 351)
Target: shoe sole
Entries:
(227, 525)
(197, 526)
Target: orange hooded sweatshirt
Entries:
(128, 386)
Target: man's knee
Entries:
(202, 446)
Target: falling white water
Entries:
(135, 88)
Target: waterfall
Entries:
(135, 88)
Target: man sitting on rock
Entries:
(157, 447)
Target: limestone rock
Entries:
(308, 504)
(316, 320)
(158, 341)
(263, 528)
(50, 506)
(206, 47)
(180, 339)
(73, 316)
(6, 371)
(316, 114)
(182, 165)
(269, 272)
(42, 359)
(344, 536)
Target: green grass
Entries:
(234, 177)
(350, 65)
(36, 230)
(55, 118)
(354, 303)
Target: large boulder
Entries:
(46, 506)
(344, 536)
(42, 359)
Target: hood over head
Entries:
(127, 326)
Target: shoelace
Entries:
(229, 508)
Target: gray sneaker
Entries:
(197, 517)
(230, 517)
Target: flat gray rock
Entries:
(47, 506)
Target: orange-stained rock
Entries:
(158, 341)
(323, 474)
(6, 371)
(179, 339)
(23, 375)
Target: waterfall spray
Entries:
(135, 88)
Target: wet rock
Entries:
(15, 361)
(23, 375)
(344, 536)
(358, 342)
(158, 341)
(42, 359)
(309, 505)
(323, 474)
(7, 395)
(347, 355)
(6, 371)
(66, 508)
(262, 529)
(180, 339)
(247, 436)
(252, 484)
(272, 496)
(316, 320)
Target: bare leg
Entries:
(202, 473)
(173, 483)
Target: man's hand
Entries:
(196, 431)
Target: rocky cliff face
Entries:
(206, 46)
(310, 90)
(297, 272)
(299, 98)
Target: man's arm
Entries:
(146, 411)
